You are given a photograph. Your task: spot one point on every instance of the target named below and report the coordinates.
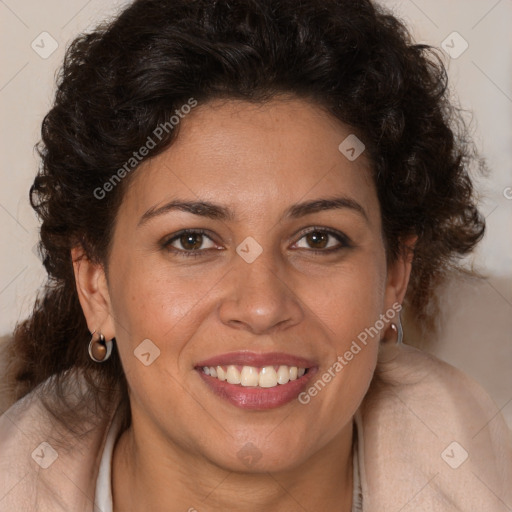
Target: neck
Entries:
(146, 476)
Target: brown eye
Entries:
(324, 241)
(189, 243)
(317, 239)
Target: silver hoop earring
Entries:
(99, 349)
(398, 333)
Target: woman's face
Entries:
(279, 277)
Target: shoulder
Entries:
(445, 398)
(43, 465)
(433, 430)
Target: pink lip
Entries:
(256, 398)
(247, 358)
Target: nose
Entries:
(260, 298)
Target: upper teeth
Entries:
(266, 377)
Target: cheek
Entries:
(350, 298)
(157, 313)
(350, 307)
(152, 301)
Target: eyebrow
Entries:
(218, 212)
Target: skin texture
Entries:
(258, 160)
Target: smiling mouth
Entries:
(254, 376)
(256, 381)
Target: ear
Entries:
(91, 285)
(399, 272)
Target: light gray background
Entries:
(476, 318)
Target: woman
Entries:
(237, 198)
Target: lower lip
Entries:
(257, 398)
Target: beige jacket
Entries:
(430, 440)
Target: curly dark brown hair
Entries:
(120, 81)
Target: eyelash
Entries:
(340, 237)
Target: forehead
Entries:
(253, 158)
